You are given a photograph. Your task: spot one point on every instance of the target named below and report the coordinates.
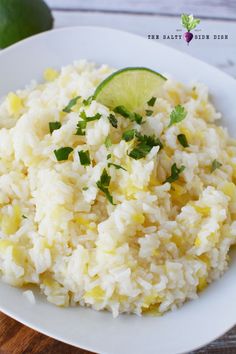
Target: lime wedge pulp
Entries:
(131, 87)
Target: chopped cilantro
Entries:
(83, 115)
(84, 157)
(145, 145)
(149, 112)
(87, 101)
(81, 127)
(118, 167)
(71, 104)
(151, 140)
(140, 151)
(108, 156)
(152, 101)
(24, 217)
(63, 153)
(177, 115)
(112, 119)
(124, 112)
(129, 135)
(105, 178)
(103, 185)
(85, 188)
(175, 172)
(54, 126)
(215, 164)
(108, 142)
(183, 140)
(136, 117)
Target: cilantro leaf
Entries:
(71, 104)
(132, 116)
(108, 156)
(105, 178)
(105, 190)
(215, 164)
(63, 153)
(81, 126)
(118, 167)
(124, 112)
(112, 119)
(103, 185)
(136, 117)
(177, 115)
(152, 101)
(140, 151)
(85, 188)
(88, 101)
(144, 146)
(83, 115)
(151, 140)
(108, 142)
(84, 157)
(128, 135)
(182, 140)
(175, 172)
(54, 126)
(148, 112)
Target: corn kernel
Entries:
(4, 244)
(10, 224)
(14, 103)
(174, 96)
(50, 74)
(204, 258)
(197, 242)
(202, 283)
(193, 94)
(229, 189)
(205, 211)
(96, 293)
(138, 218)
(82, 221)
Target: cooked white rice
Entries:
(160, 245)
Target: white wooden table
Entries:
(160, 16)
(149, 17)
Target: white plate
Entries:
(197, 322)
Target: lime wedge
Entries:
(131, 87)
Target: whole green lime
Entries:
(22, 18)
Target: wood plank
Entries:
(211, 8)
(16, 338)
(207, 50)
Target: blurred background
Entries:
(161, 17)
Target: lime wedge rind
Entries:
(131, 87)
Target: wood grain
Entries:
(16, 338)
(209, 51)
(222, 9)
